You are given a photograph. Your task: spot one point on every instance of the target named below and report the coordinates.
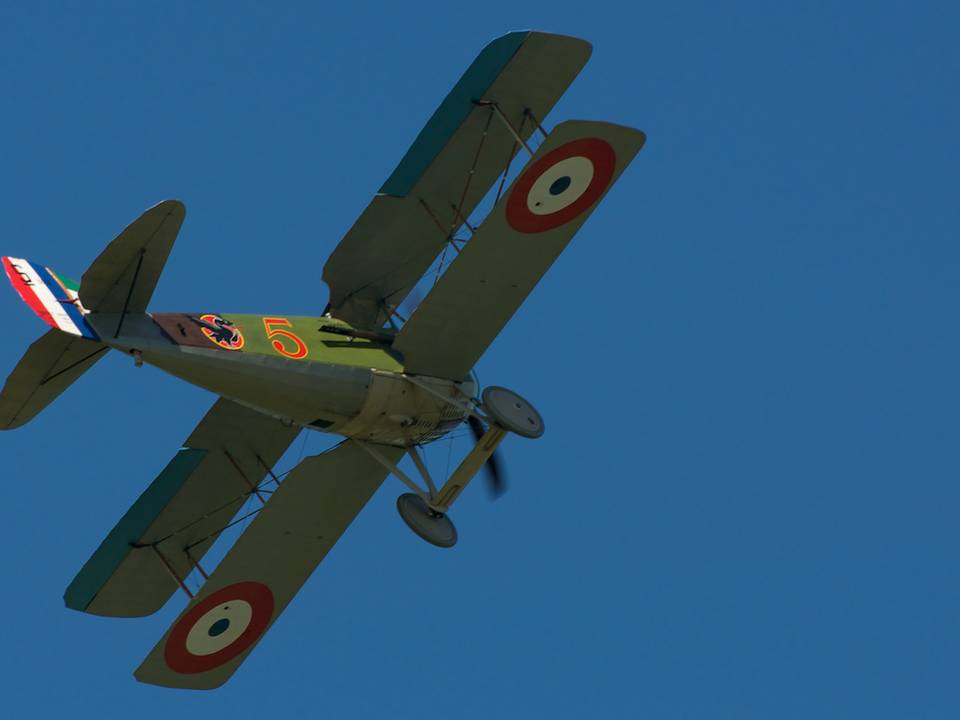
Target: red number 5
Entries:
(272, 326)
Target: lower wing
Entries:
(508, 254)
(265, 568)
(179, 516)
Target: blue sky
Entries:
(745, 502)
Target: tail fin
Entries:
(50, 295)
(54, 361)
(123, 277)
(48, 368)
(121, 280)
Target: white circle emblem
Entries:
(219, 627)
(560, 185)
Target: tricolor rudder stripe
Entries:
(51, 296)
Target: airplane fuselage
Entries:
(302, 370)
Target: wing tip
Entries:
(174, 681)
(171, 205)
(573, 43)
(639, 135)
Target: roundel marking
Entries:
(221, 332)
(219, 628)
(561, 185)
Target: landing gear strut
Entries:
(425, 511)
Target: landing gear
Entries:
(425, 510)
(434, 527)
(512, 412)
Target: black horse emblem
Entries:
(220, 331)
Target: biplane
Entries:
(386, 384)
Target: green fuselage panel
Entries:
(312, 372)
(288, 367)
(279, 336)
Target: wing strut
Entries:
(195, 564)
(522, 236)
(528, 113)
(513, 131)
(250, 588)
(181, 514)
(155, 546)
(169, 569)
(394, 243)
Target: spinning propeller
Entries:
(504, 412)
(496, 482)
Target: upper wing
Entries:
(517, 243)
(179, 516)
(265, 568)
(452, 164)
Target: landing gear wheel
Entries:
(436, 528)
(512, 412)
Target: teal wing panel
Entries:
(180, 513)
(452, 113)
(265, 568)
(423, 201)
(528, 229)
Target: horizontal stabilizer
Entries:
(48, 368)
(177, 518)
(123, 277)
(265, 568)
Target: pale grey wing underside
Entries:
(424, 201)
(178, 517)
(497, 269)
(284, 544)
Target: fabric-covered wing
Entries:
(265, 568)
(515, 246)
(125, 274)
(49, 367)
(178, 517)
(426, 198)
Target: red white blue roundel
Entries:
(561, 185)
(219, 628)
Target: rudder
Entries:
(52, 296)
